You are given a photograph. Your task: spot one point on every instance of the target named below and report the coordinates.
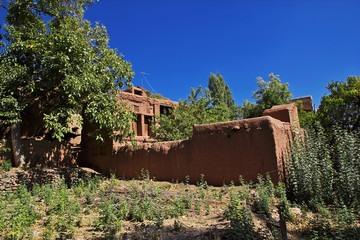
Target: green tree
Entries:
(221, 94)
(342, 106)
(268, 94)
(196, 109)
(308, 119)
(249, 110)
(56, 63)
(209, 105)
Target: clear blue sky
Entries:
(179, 42)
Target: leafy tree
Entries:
(56, 63)
(221, 94)
(249, 110)
(269, 93)
(209, 105)
(196, 109)
(308, 119)
(342, 106)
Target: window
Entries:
(164, 110)
(138, 92)
(147, 127)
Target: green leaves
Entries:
(342, 106)
(269, 94)
(202, 106)
(196, 109)
(56, 61)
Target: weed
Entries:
(202, 186)
(6, 165)
(284, 204)
(265, 191)
(145, 174)
(109, 221)
(241, 222)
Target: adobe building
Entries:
(220, 151)
(307, 103)
(145, 109)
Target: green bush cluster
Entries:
(325, 169)
(241, 218)
(265, 193)
(6, 164)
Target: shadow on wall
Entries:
(47, 153)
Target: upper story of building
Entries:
(307, 103)
(145, 109)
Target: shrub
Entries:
(347, 166)
(111, 216)
(6, 165)
(325, 169)
(265, 192)
(311, 174)
(241, 221)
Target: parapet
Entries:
(287, 113)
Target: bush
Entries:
(325, 169)
(241, 220)
(347, 166)
(311, 174)
(6, 165)
(266, 192)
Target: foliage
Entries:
(249, 110)
(311, 174)
(268, 94)
(241, 219)
(196, 109)
(342, 106)
(320, 172)
(55, 61)
(5, 163)
(221, 95)
(265, 192)
(347, 165)
(59, 211)
(152, 95)
(202, 106)
(284, 203)
(339, 223)
(307, 119)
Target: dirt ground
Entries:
(206, 221)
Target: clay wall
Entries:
(307, 102)
(285, 113)
(220, 151)
(41, 152)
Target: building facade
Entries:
(145, 109)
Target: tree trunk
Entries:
(18, 156)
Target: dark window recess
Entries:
(139, 130)
(147, 127)
(136, 126)
(164, 110)
(137, 92)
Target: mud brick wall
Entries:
(220, 151)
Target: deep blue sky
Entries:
(179, 42)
